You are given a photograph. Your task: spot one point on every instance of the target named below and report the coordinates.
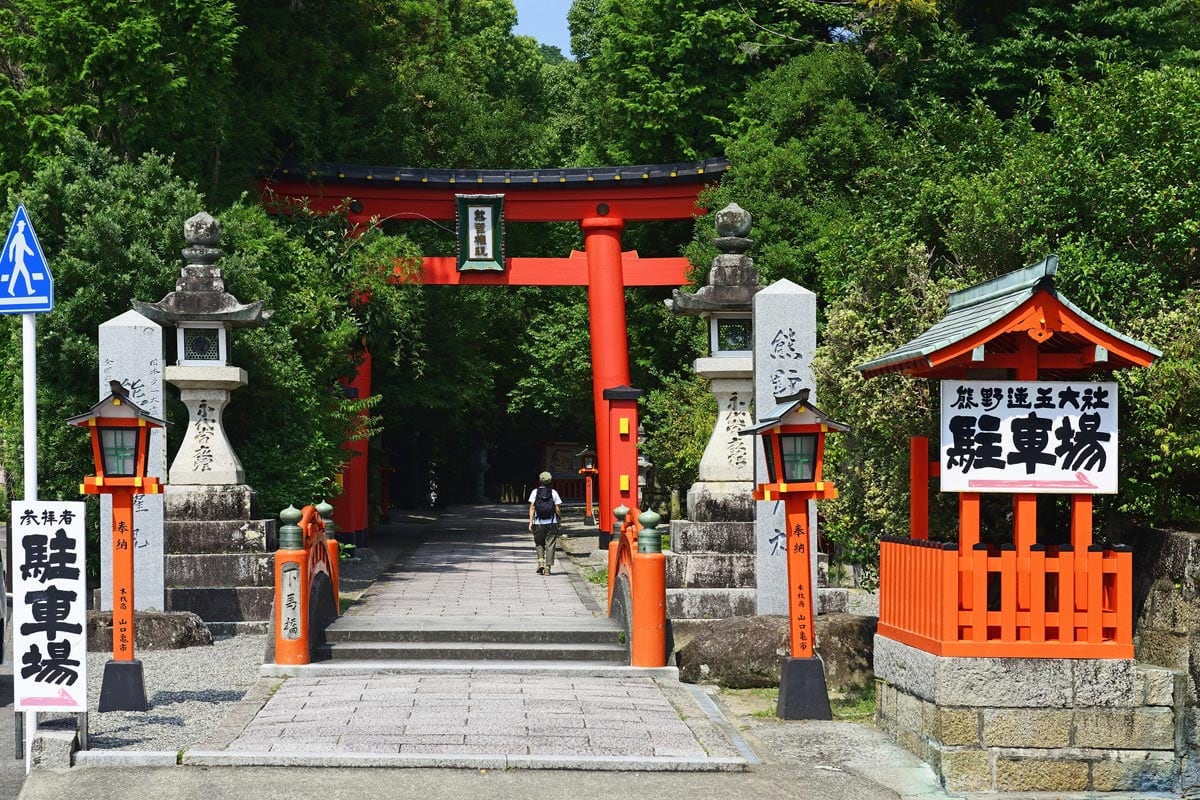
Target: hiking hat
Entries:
(545, 478)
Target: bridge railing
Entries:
(635, 554)
(306, 581)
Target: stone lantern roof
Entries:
(200, 294)
(732, 280)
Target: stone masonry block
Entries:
(710, 570)
(909, 712)
(723, 537)
(1191, 728)
(1136, 771)
(709, 603)
(1162, 648)
(1026, 727)
(1125, 728)
(1160, 685)
(1014, 774)
(887, 695)
(979, 682)
(1107, 683)
(1193, 669)
(967, 770)
(1168, 609)
(958, 727)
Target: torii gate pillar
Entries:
(606, 324)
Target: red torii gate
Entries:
(601, 200)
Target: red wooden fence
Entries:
(992, 601)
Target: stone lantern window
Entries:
(730, 335)
(202, 344)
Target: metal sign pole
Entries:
(29, 402)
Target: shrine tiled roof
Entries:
(972, 310)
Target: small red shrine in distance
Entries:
(1020, 416)
(600, 199)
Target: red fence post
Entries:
(648, 645)
(291, 592)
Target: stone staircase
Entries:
(220, 560)
(407, 639)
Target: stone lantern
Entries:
(713, 551)
(209, 510)
(203, 313)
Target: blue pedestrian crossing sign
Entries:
(26, 285)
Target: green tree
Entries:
(662, 74)
(133, 76)
(112, 231)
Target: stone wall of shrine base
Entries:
(1035, 725)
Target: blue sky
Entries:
(546, 21)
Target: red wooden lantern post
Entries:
(120, 441)
(793, 440)
(587, 459)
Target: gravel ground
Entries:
(189, 692)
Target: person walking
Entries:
(545, 513)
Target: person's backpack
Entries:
(543, 503)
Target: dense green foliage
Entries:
(889, 150)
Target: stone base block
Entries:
(221, 536)
(53, 749)
(710, 571)
(688, 536)
(833, 601)
(710, 603)
(223, 603)
(220, 569)
(721, 502)
(152, 630)
(1032, 725)
(197, 502)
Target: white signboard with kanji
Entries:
(49, 606)
(1029, 437)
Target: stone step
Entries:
(710, 603)
(516, 630)
(688, 536)
(710, 571)
(220, 536)
(223, 603)
(614, 653)
(192, 570)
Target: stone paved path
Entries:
(482, 714)
(479, 561)
(476, 566)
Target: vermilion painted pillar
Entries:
(122, 575)
(350, 509)
(610, 345)
(801, 596)
(622, 441)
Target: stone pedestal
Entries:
(710, 568)
(1032, 724)
(220, 562)
(205, 457)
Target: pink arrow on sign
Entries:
(1081, 482)
(63, 699)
